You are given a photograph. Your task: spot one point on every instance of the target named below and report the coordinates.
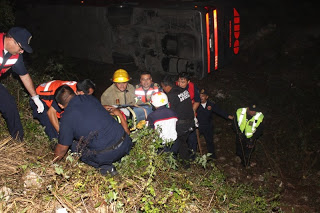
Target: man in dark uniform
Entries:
(205, 115)
(180, 102)
(99, 138)
(52, 112)
(12, 45)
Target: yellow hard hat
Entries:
(120, 76)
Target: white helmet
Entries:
(159, 99)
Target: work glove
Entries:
(39, 103)
(196, 122)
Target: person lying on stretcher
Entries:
(137, 113)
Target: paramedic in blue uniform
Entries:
(89, 129)
(12, 46)
(180, 102)
(205, 114)
(52, 112)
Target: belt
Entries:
(114, 146)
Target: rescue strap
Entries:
(134, 118)
(114, 146)
(46, 97)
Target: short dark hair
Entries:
(85, 85)
(63, 95)
(168, 81)
(185, 75)
(145, 72)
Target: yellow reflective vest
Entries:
(248, 127)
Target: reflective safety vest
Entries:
(248, 126)
(145, 95)
(5, 65)
(46, 91)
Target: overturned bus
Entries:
(170, 37)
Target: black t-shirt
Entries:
(180, 102)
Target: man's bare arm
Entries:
(28, 84)
(195, 106)
(60, 151)
(114, 111)
(52, 114)
(124, 123)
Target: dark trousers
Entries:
(207, 131)
(44, 119)
(10, 113)
(193, 142)
(181, 145)
(103, 160)
(243, 151)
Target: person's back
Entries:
(52, 112)
(89, 129)
(46, 90)
(163, 119)
(87, 117)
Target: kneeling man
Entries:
(90, 130)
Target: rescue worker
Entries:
(120, 92)
(205, 114)
(87, 128)
(180, 102)
(163, 119)
(184, 81)
(12, 46)
(146, 87)
(249, 128)
(52, 112)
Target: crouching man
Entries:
(87, 128)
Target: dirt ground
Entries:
(278, 66)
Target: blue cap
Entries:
(22, 36)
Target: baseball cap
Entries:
(23, 36)
(204, 91)
(253, 107)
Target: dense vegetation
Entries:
(148, 182)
